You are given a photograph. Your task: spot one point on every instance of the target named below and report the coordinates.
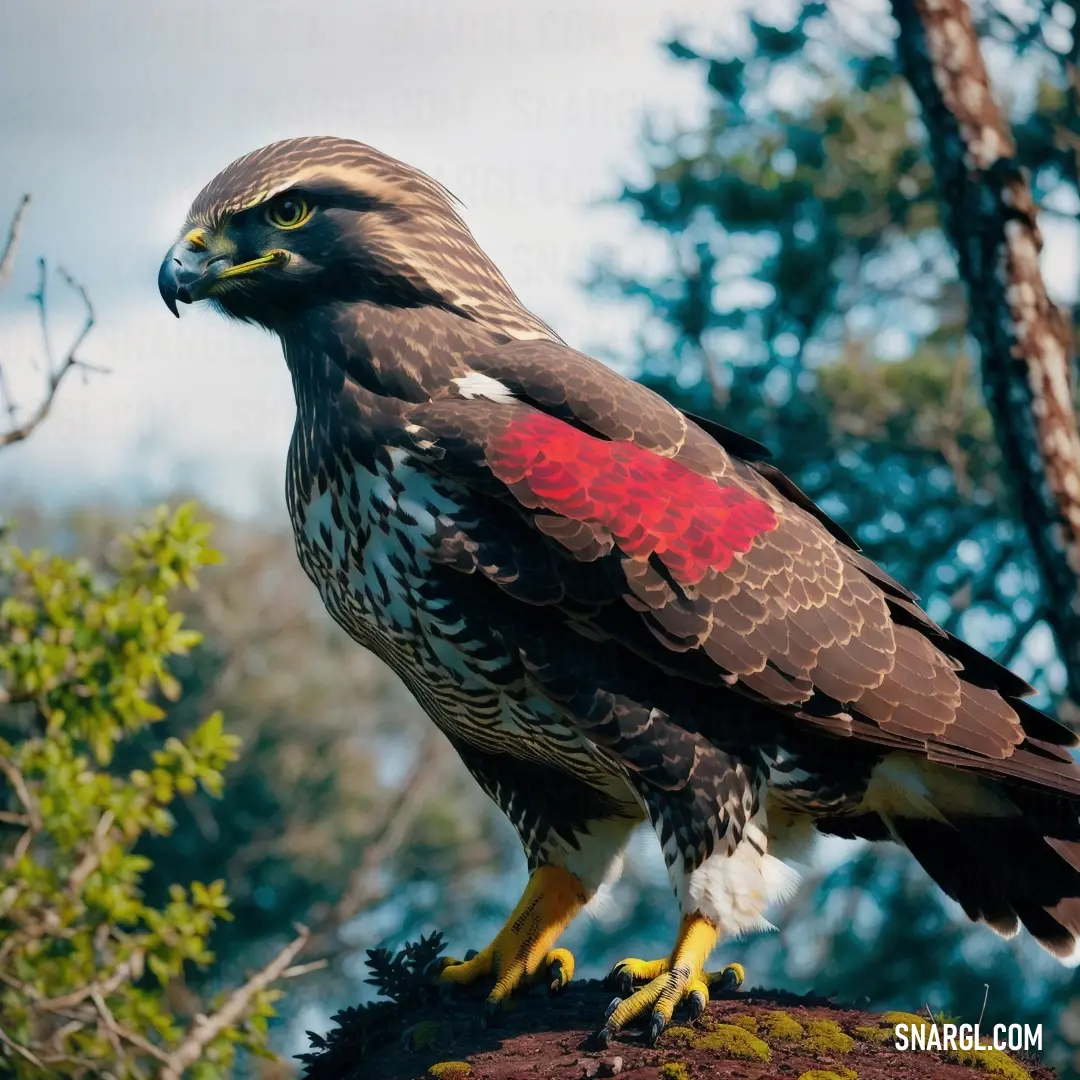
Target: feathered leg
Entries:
(724, 884)
(567, 865)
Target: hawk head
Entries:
(312, 222)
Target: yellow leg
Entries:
(522, 951)
(669, 982)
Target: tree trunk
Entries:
(1024, 340)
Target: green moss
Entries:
(894, 1018)
(829, 1074)
(992, 1061)
(673, 1070)
(827, 1037)
(679, 1036)
(734, 1042)
(450, 1070)
(879, 1035)
(427, 1035)
(779, 1025)
(746, 1021)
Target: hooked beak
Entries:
(191, 270)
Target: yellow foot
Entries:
(668, 983)
(521, 954)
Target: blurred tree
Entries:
(807, 296)
(797, 286)
(86, 962)
(1024, 343)
(343, 801)
(339, 802)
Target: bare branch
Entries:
(33, 816)
(9, 1042)
(117, 1033)
(57, 373)
(207, 1028)
(7, 257)
(297, 970)
(90, 860)
(396, 820)
(124, 971)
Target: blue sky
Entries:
(116, 114)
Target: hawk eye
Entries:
(288, 212)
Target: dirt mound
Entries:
(749, 1036)
(419, 1030)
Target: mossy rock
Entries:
(680, 1036)
(450, 1070)
(829, 1074)
(879, 1035)
(673, 1070)
(780, 1025)
(827, 1037)
(744, 1020)
(995, 1062)
(732, 1041)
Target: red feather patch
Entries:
(647, 502)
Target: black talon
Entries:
(471, 954)
(698, 1001)
(615, 1003)
(555, 973)
(491, 1014)
(728, 980)
(625, 983)
(657, 1023)
(603, 1038)
(436, 967)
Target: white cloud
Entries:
(115, 117)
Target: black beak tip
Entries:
(168, 285)
(174, 279)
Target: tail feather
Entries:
(982, 895)
(1003, 871)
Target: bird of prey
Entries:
(616, 612)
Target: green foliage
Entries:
(89, 968)
(309, 816)
(404, 982)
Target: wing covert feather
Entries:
(727, 560)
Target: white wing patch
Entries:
(478, 385)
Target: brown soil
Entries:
(551, 1038)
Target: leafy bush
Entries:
(91, 976)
